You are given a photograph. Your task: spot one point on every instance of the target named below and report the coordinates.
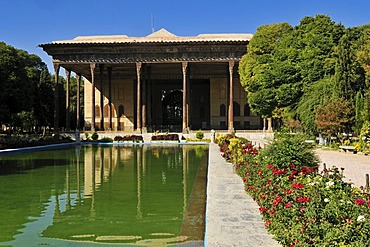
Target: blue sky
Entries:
(26, 23)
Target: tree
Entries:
(255, 68)
(333, 117)
(22, 91)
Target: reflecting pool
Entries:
(142, 195)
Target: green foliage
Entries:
(364, 138)
(255, 72)
(299, 69)
(106, 139)
(333, 117)
(288, 148)
(94, 136)
(199, 135)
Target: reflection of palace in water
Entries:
(129, 194)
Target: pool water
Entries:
(144, 195)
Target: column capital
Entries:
(138, 67)
(56, 67)
(184, 66)
(92, 66)
(231, 66)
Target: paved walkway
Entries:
(355, 165)
(232, 217)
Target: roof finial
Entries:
(152, 19)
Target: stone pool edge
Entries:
(232, 216)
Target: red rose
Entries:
(359, 201)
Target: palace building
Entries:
(158, 82)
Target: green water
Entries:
(104, 195)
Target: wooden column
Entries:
(138, 117)
(92, 68)
(143, 105)
(78, 127)
(110, 97)
(184, 98)
(56, 98)
(101, 68)
(231, 97)
(68, 119)
(148, 97)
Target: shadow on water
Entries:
(91, 195)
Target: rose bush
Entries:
(300, 206)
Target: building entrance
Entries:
(172, 108)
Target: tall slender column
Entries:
(184, 98)
(231, 109)
(148, 97)
(92, 68)
(101, 67)
(56, 98)
(68, 79)
(78, 77)
(143, 107)
(138, 73)
(110, 97)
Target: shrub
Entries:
(289, 148)
(199, 135)
(166, 137)
(133, 138)
(94, 136)
(106, 139)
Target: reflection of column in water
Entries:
(145, 149)
(138, 161)
(57, 205)
(78, 153)
(101, 165)
(184, 173)
(92, 209)
(68, 206)
(110, 161)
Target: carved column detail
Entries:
(138, 74)
(68, 79)
(92, 71)
(184, 98)
(231, 97)
(56, 98)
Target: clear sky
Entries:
(26, 23)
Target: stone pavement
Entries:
(356, 166)
(232, 217)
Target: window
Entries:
(247, 110)
(222, 110)
(236, 108)
(106, 111)
(121, 110)
(97, 111)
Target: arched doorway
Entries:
(172, 109)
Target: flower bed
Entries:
(129, 138)
(300, 206)
(166, 137)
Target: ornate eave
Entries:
(146, 53)
(160, 46)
